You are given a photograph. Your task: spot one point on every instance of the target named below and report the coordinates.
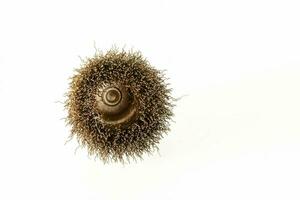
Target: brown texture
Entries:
(147, 91)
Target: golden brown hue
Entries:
(118, 106)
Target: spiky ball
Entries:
(118, 105)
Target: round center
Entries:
(112, 96)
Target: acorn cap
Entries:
(118, 105)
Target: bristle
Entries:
(119, 142)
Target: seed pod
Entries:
(118, 105)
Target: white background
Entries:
(237, 130)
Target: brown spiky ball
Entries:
(118, 105)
